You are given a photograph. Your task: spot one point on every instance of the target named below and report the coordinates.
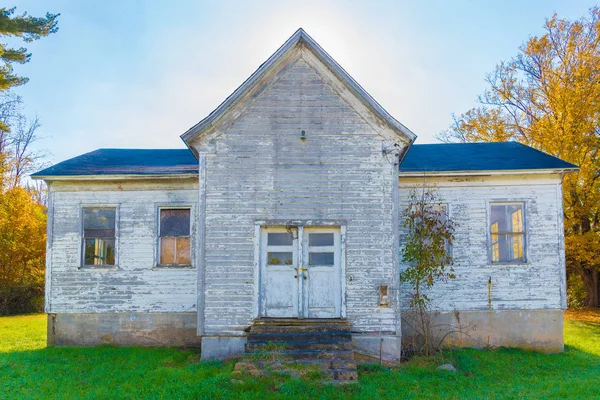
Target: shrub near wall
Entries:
(22, 252)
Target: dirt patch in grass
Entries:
(583, 314)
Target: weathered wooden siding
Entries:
(258, 169)
(135, 285)
(537, 284)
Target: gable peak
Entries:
(300, 37)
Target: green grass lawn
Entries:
(29, 370)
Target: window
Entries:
(320, 249)
(281, 243)
(99, 236)
(507, 233)
(174, 237)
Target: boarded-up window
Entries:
(99, 235)
(507, 233)
(174, 236)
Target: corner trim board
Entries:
(200, 259)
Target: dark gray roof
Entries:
(451, 157)
(498, 156)
(126, 162)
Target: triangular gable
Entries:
(300, 45)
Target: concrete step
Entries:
(298, 321)
(317, 328)
(309, 354)
(304, 363)
(300, 347)
(289, 337)
(333, 345)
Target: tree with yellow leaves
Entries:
(548, 97)
(22, 252)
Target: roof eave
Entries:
(489, 172)
(113, 177)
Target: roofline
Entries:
(484, 172)
(112, 177)
(299, 35)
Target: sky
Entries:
(137, 74)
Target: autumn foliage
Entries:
(22, 252)
(548, 97)
(22, 212)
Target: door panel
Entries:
(279, 286)
(300, 287)
(322, 289)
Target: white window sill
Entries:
(172, 266)
(98, 268)
(508, 264)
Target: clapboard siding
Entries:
(135, 285)
(536, 284)
(258, 169)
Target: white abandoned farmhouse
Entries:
(286, 205)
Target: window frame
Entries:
(82, 264)
(523, 204)
(178, 206)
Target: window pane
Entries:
(98, 218)
(99, 252)
(99, 233)
(175, 222)
(516, 218)
(183, 250)
(320, 258)
(507, 247)
(507, 218)
(495, 247)
(280, 239)
(499, 218)
(517, 247)
(280, 258)
(320, 239)
(167, 250)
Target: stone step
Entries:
(300, 347)
(298, 321)
(342, 375)
(260, 329)
(310, 354)
(304, 363)
(315, 337)
(311, 345)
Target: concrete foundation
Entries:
(540, 330)
(387, 347)
(222, 347)
(128, 329)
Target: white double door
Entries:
(300, 272)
